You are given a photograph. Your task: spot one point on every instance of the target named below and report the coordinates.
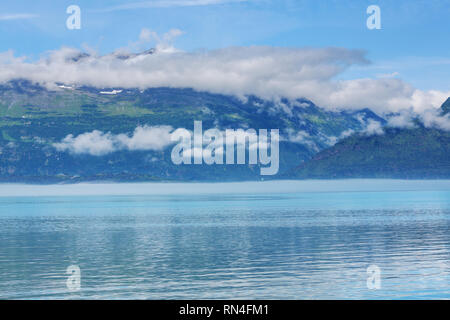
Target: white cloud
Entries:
(98, 143)
(373, 128)
(148, 38)
(301, 137)
(17, 16)
(346, 133)
(388, 75)
(168, 4)
(432, 119)
(146, 138)
(402, 120)
(156, 138)
(95, 143)
(267, 72)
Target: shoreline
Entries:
(186, 188)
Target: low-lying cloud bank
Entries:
(430, 118)
(267, 72)
(158, 138)
(145, 138)
(98, 143)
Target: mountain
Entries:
(446, 106)
(34, 119)
(78, 56)
(398, 153)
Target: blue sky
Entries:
(413, 43)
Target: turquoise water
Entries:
(267, 240)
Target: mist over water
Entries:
(281, 186)
(271, 240)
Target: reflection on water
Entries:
(278, 246)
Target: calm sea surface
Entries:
(267, 240)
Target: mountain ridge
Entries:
(446, 106)
(34, 118)
(408, 153)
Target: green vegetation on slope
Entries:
(399, 153)
(32, 118)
